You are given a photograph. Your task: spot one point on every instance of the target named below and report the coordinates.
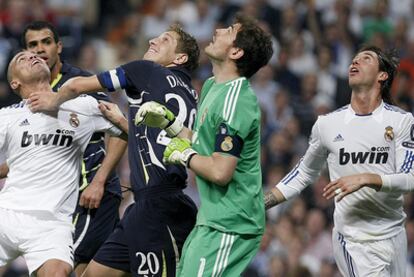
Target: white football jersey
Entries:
(44, 155)
(382, 143)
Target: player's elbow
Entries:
(73, 86)
(221, 178)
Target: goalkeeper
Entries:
(224, 154)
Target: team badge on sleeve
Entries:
(389, 133)
(74, 120)
(227, 144)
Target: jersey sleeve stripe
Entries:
(238, 87)
(231, 100)
(291, 172)
(106, 81)
(114, 78)
(408, 162)
(226, 102)
(291, 177)
(121, 77)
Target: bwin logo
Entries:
(60, 138)
(378, 155)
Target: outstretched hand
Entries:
(43, 101)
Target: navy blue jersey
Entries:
(146, 81)
(95, 151)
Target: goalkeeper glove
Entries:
(178, 151)
(154, 114)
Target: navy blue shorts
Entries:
(149, 238)
(93, 227)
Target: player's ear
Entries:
(59, 47)
(14, 84)
(236, 53)
(383, 76)
(180, 58)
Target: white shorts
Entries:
(37, 240)
(382, 258)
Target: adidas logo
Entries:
(24, 123)
(338, 138)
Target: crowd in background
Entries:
(314, 42)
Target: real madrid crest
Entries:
(227, 144)
(74, 120)
(389, 133)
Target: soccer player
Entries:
(225, 154)
(43, 156)
(150, 236)
(368, 145)
(97, 211)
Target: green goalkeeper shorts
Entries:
(209, 252)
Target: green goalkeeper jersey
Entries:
(231, 108)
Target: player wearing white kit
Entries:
(43, 153)
(368, 146)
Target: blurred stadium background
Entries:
(314, 41)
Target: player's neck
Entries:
(365, 102)
(224, 72)
(55, 70)
(26, 90)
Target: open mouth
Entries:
(152, 50)
(36, 62)
(353, 71)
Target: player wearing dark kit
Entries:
(100, 193)
(154, 229)
(93, 226)
(149, 238)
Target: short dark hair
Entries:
(37, 26)
(388, 62)
(187, 44)
(256, 44)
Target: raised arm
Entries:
(41, 101)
